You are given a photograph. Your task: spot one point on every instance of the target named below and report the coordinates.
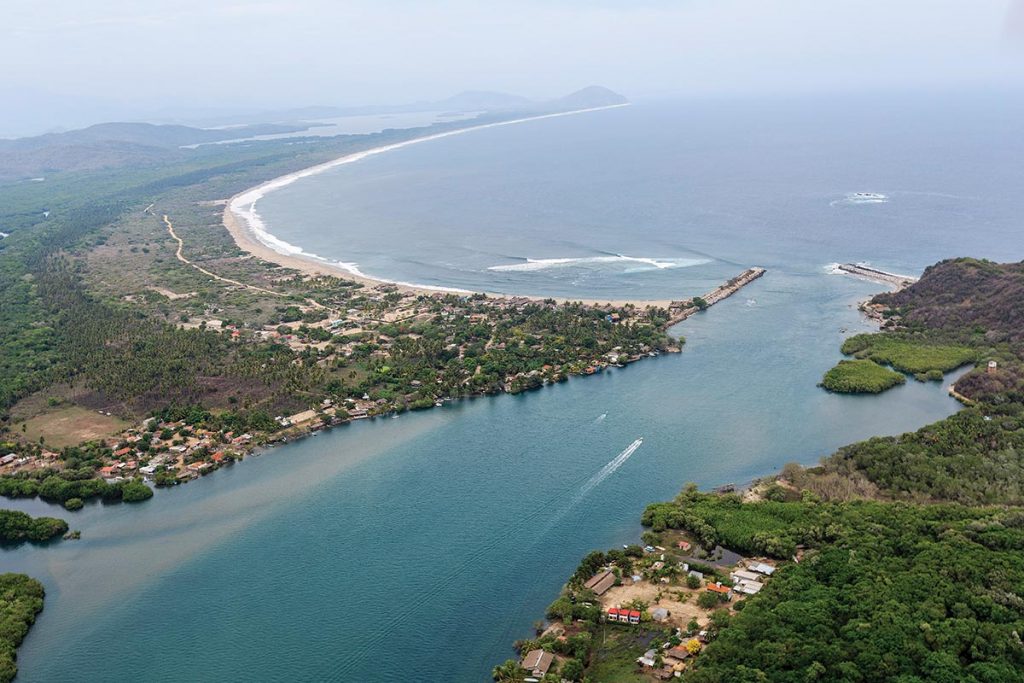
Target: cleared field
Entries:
(71, 425)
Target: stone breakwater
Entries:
(681, 310)
(875, 275)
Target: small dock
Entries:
(681, 310)
(875, 275)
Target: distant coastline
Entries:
(250, 234)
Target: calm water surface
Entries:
(419, 548)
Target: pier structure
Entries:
(681, 310)
(875, 275)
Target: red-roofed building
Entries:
(613, 614)
(720, 589)
(122, 452)
(107, 471)
(217, 457)
(634, 617)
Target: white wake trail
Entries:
(610, 468)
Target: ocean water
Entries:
(664, 200)
(419, 548)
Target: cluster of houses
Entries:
(24, 462)
(673, 657)
(623, 615)
(190, 452)
(750, 581)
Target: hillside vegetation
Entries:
(965, 296)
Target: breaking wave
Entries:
(630, 263)
(862, 198)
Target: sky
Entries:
(66, 61)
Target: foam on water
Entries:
(862, 198)
(618, 260)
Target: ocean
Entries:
(419, 548)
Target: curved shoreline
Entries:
(246, 227)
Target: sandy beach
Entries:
(247, 229)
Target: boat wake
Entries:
(626, 263)
(610, 468)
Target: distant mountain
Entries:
(112, 144)
(468, 101)
(473, 100)
(107, 145)
(143, 134)
(593, 96)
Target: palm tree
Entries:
(509, 672)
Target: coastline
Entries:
(246, 228)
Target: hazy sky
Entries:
(145, 56)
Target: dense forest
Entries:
(883, 591)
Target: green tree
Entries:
(508, 672)
(572, 670)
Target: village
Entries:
(377, 351)
(647, 611)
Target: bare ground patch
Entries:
(69, 426)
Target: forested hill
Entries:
(977, 455)
(108, 145)
(965, 296)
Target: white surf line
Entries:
(243, 205)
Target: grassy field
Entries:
(70, 426)
(909, 355)
(615, 653)
(861, 377)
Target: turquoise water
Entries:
(419, 548)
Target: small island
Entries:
(16, 527)
(861, 376)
